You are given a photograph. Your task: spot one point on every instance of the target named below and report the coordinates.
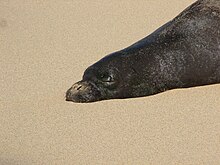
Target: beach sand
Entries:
(45, 46)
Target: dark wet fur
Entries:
(183, 53)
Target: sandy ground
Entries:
(46, 45)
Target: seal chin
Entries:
(83, 92)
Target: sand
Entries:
(46, 45)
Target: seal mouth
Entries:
(83, 92)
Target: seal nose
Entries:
(75, 91)
(83, 92)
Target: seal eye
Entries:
(106, 78)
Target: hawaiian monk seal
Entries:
(184, 52)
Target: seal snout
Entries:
(75, 92)
(80, 92)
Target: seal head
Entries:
(117, 76)
(100, 81)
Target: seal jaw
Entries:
(83, 92)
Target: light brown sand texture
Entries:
(46, 45)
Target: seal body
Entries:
(184, 52)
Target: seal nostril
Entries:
(79, 87)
